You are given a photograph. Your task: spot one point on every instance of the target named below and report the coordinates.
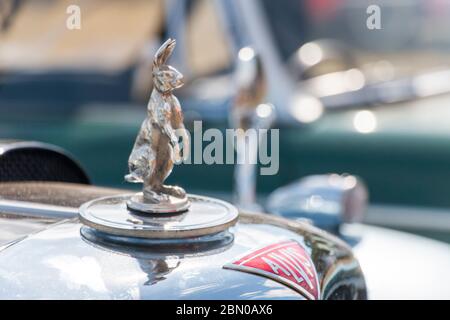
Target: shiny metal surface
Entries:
(186, 247)
(172, 204)
(157, 148)
(386, 265)
(59, 263)
(31, 209)
(14, 227)
(205, 216)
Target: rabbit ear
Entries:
(164, 52)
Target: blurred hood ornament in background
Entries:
(249, 112)
(160, 211)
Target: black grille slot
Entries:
(38, 164)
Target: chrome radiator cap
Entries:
(205, 216)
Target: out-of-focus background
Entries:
(349, 97)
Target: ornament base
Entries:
(170, 205)
(111, 215)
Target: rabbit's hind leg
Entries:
(162, 170)
(163, 164)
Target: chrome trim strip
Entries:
(37, 209)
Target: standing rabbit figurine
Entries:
(157, 147)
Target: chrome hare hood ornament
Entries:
(159, 211)
(157, 148)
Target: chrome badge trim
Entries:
(286, 262)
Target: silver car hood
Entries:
(61, 263)
(398, 265)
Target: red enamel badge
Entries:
(286, 262)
